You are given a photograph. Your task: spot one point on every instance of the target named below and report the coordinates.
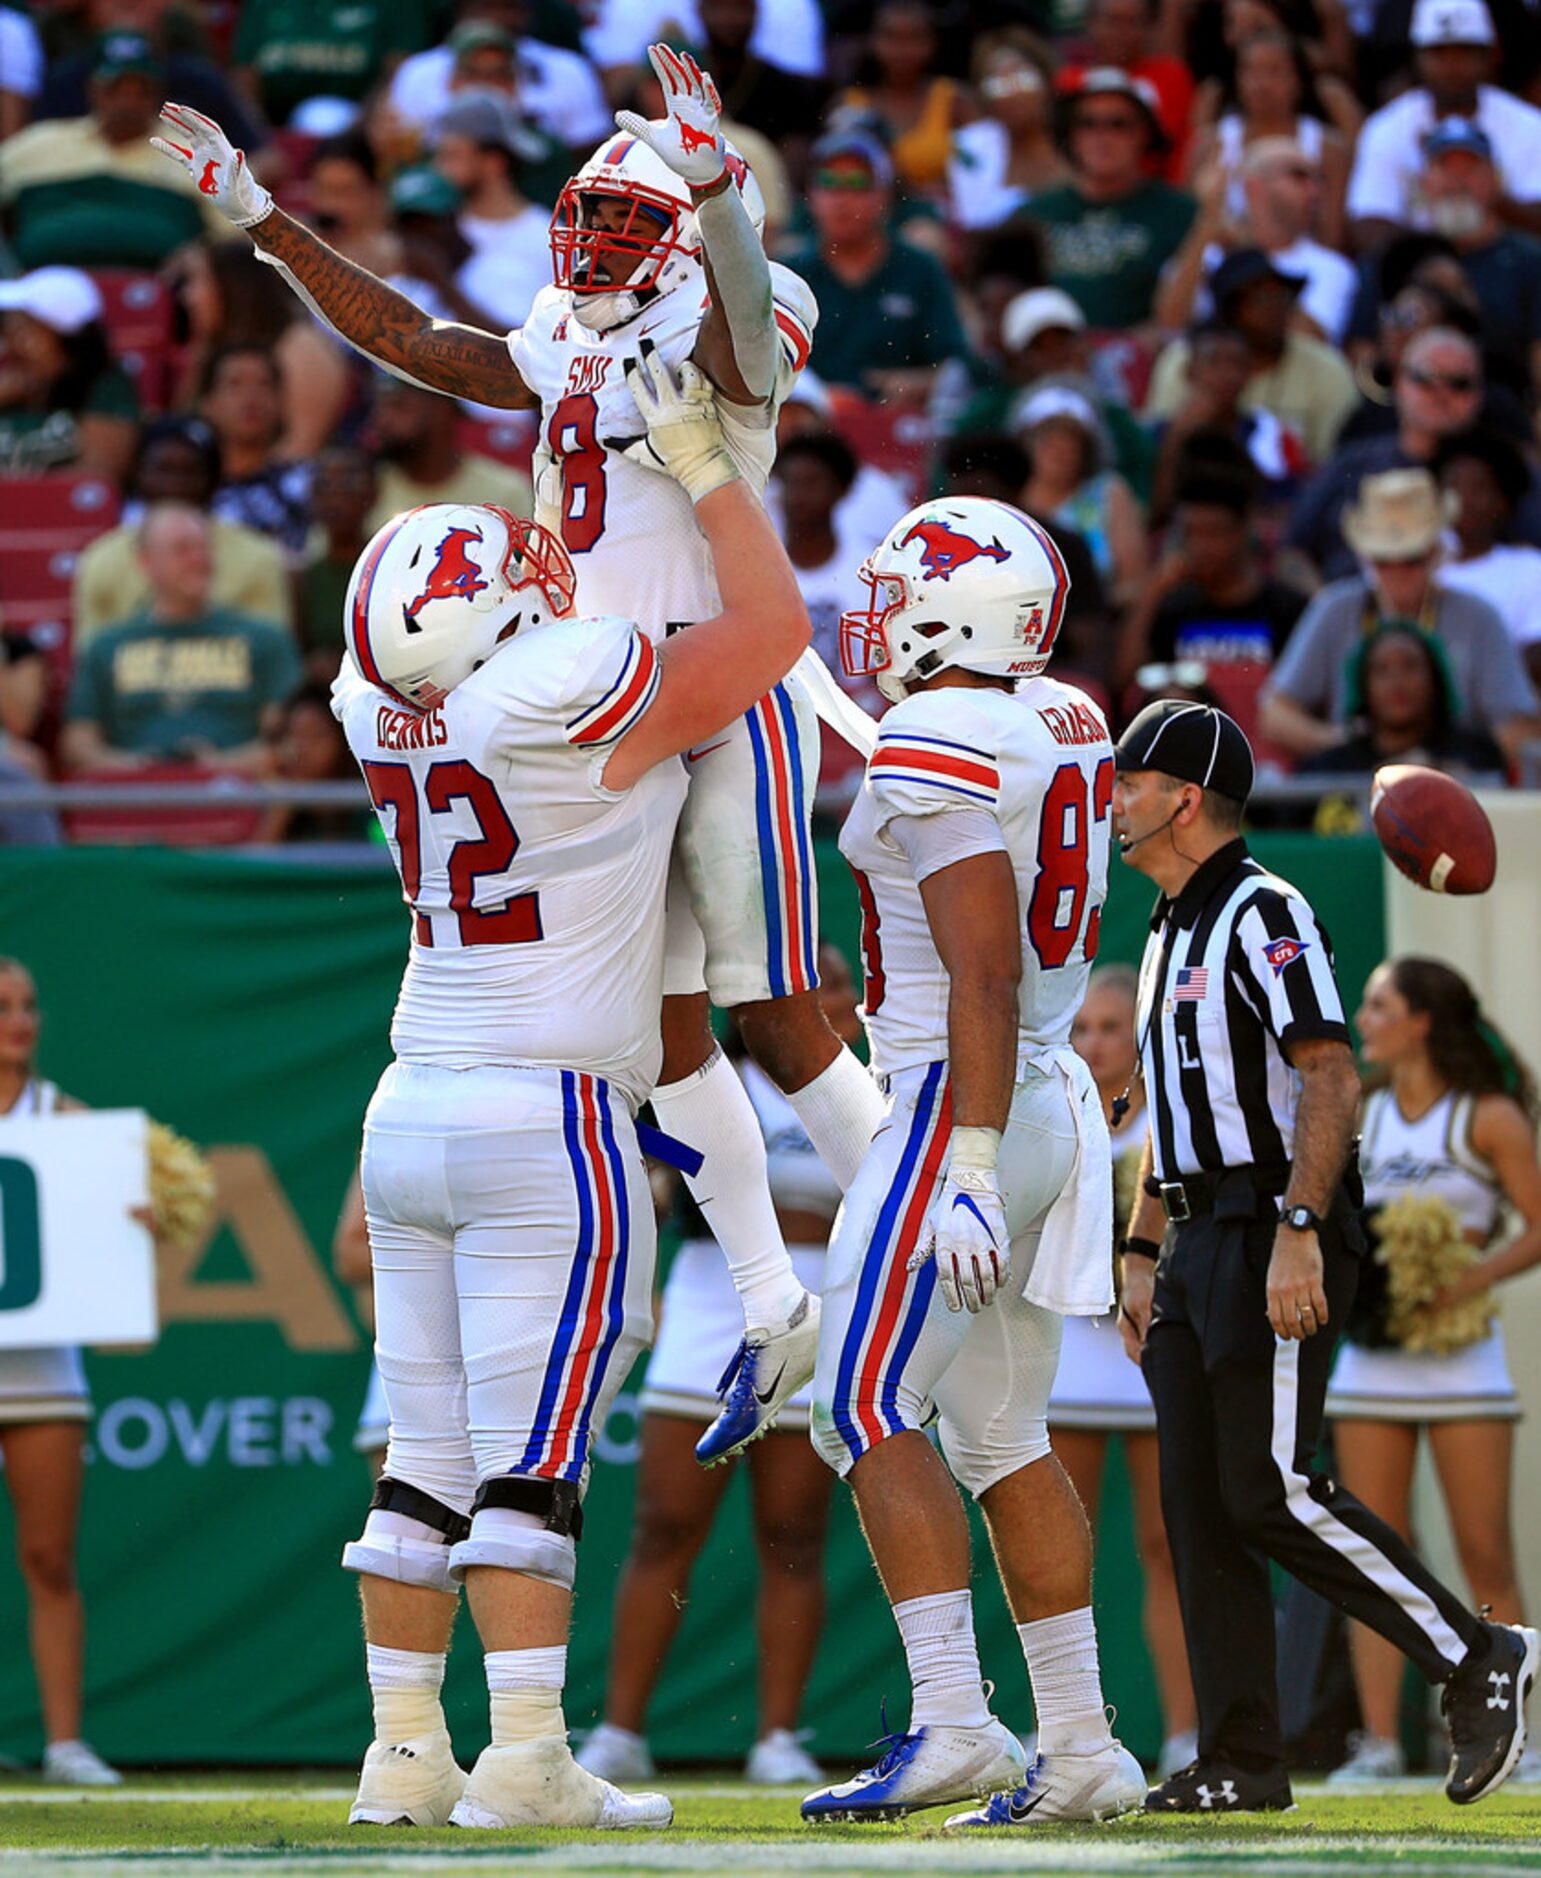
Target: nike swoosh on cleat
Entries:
(1017, 1813)
(764, 1400)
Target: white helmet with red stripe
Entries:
(659, 232)
(962, 581)
(440, 588)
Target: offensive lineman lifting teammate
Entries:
(657, 237)
(520, 759)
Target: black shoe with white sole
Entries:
(1483, 1704)
(1217, 1787)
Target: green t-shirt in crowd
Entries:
(903, 316)
(33, 439)
(1108, 256)
(155, 689)
(325, 48)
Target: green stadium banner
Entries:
(246, 1001)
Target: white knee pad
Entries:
(513, 1541)
(398, 1547)
(978, 1463)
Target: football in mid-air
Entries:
(1434, 829)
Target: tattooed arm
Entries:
(462, 361)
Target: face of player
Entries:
(20, 1022)
(614, 215)
(1390, 1031)
(837, 994)
(1103, 1035)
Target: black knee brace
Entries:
(395, 1496)
(555, 1501)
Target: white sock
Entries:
(938, 1636)
(842, 1110)
(711, 1113)
(404, 1687)
(526, 1691)
(1061, 1657)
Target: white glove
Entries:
(965, 1230)
(683, 434)
(690, 138)
(213, 162)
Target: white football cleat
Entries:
(616, 1755)
(415, 1783)
(538, 1783)
(1061, 1787)
(934, 1765)
(767, 1370)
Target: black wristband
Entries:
(1141, 1248)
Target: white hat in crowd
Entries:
(1398, 516)
(61, 297)
(1037, 311)
(1451, 23)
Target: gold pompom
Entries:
(1126, 1184)
(1424, 1250)
(181, 1188)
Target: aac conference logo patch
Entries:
(1282, 952)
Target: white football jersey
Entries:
(630, 528)
(537, 894)
(1040, 762)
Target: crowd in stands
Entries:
(1242, 298)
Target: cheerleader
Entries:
(44, 1408)
(677, 1500)
(1098, 1392)
(1451, 1126)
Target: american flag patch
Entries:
(1191, 984)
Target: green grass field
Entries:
(296, 1825)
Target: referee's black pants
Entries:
(1238, 1420)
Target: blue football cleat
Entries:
(767, 1370)
(931, 1767)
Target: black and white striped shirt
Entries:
(1237, 969)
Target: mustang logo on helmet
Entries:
(454, 575)
(946, 550)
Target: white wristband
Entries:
(978, 1148)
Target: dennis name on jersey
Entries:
(409, 730)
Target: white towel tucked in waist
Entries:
(1072, 1271)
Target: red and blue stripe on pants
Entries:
(594, 1307)
(786, 858)
(892, 1301)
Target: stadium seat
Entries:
(140, 317)
(200, 825)
(45, 521)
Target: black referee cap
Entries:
(1193, 742)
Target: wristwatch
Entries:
(1300, 1219)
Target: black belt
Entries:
(1196, 1194)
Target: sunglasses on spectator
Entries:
(1125, 122)
(853, 180)
(1008, 84)
(1443, 381)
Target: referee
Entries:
(1248, 1186)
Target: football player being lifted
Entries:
(657, 237)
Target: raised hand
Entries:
(683, 434)
(215, 165)
(965, 1232)
(690, 138)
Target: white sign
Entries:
(75, 1266)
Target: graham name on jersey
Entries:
(407, 730)
(1073, 723)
